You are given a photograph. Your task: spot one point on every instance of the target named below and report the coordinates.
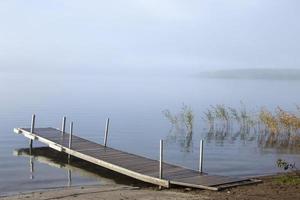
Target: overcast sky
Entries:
(148, 35)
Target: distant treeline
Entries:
(268, 74)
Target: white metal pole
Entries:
(32, 123)
(70, 135)
(201, 157)
(32, 129)
(161, 148)
(63, 125)
(70, 140)
(106, 132)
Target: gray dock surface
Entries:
(138, 167)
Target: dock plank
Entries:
(139, 167)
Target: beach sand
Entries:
(113, 192)
(269, 189)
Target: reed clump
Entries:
(182, 126)
(279, 128)
(228, 122)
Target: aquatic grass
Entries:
(188, 118)
(174, 121)
(235, 114)
(228, 122)
(181, 126)
(279, 128)
(210, 119)
(271, 129)
(269, 120)
(290, 121)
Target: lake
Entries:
(135, 106)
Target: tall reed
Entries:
(181, 126)
(279, 128)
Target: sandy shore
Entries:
(269, 189)
(113, 192)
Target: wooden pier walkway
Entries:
(132, 165)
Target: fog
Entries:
(151, 37)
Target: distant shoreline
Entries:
(253, 74)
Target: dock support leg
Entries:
(32, 130)
(63, 125)
(70, 139)
(161, 149)
(106, 132)
(201, 157)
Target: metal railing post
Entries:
(63, 125)
(106, 132)
(201, 157)
(70, 135)
(70, 140)
(32, 129)
(161, 148)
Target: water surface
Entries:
(134, 105)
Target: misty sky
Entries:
(148, 35)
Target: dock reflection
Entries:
(72, 166)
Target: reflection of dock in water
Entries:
(131, 165)
(32, 154)
(60, 160)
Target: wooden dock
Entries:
(131, 165)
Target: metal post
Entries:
(70, 140)
(106, 132)
(32, 129)
(161, 148)
(70, 135)
(32, 123)
(63, 126)
(201, 157)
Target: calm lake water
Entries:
(134, 105)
